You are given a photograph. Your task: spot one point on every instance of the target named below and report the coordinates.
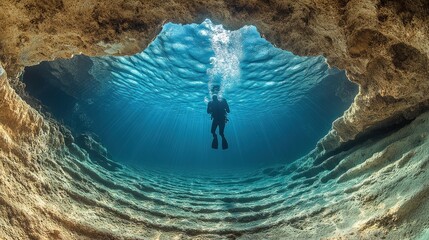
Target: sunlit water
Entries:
(149, 109)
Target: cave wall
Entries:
(382, 44)
(51, 189)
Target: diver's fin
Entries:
(215, 143)
(224, 143)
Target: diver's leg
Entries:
(214, 126)
(221, 129)
(213, 130)
(215, 143)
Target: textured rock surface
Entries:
(373, 190)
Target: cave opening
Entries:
(149, 109)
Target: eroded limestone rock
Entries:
(376, 189)
(97, 152)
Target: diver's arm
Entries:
(226, 107)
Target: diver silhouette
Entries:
(218, 110)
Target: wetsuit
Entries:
(218, 110)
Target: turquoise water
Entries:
(149, 109)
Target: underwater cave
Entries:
(105, 131)
(149, 109)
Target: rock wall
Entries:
(51, 189)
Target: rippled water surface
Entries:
(149, 109)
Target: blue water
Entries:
(149, 109)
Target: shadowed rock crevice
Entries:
(409, 59)
(97, 152)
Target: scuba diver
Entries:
(218, 110)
